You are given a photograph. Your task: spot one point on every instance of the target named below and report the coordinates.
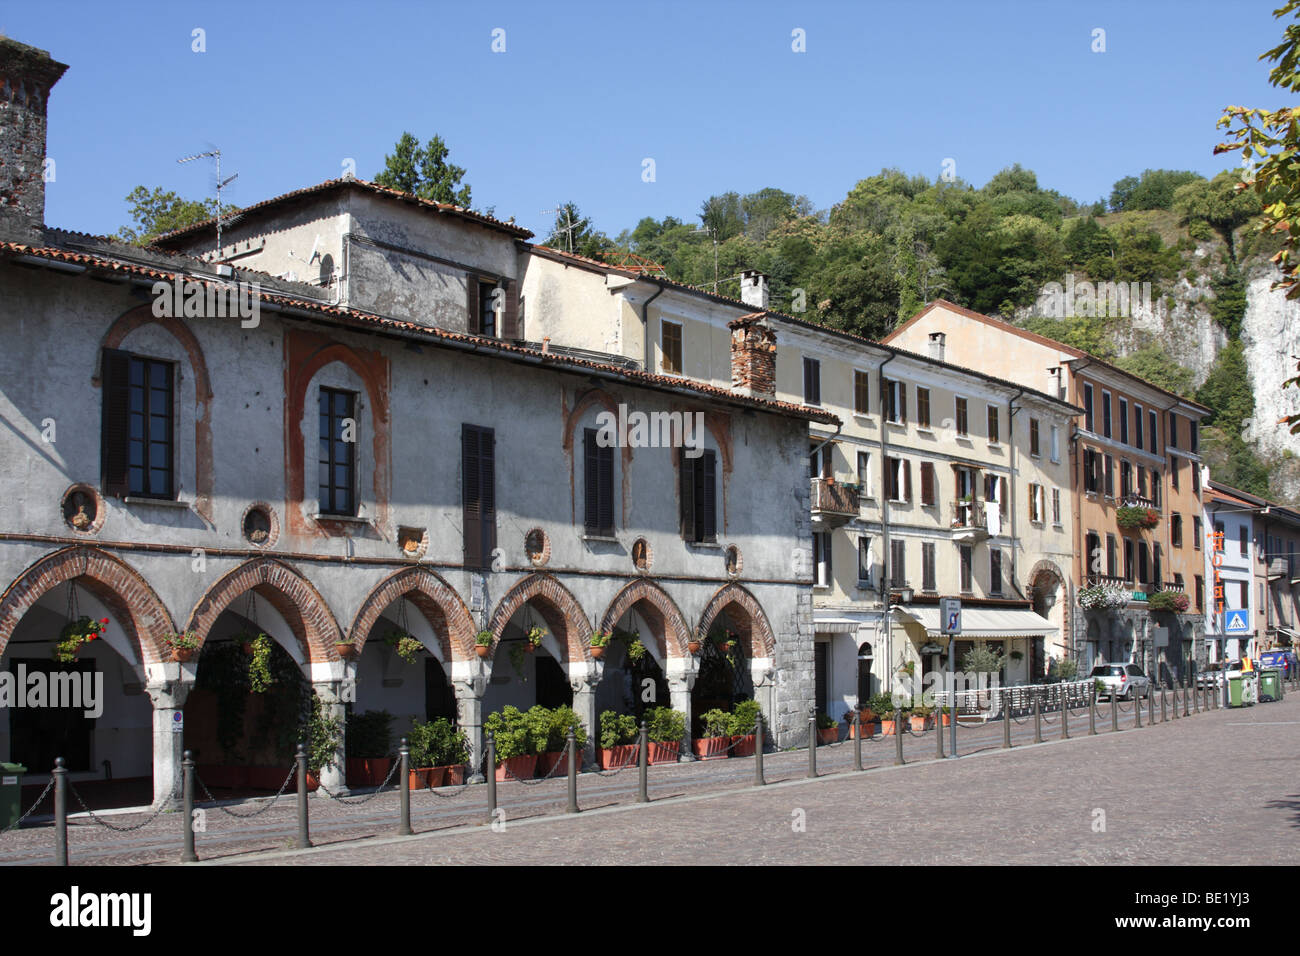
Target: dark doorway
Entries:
(553, 688)
(821, 677)
(40, 734)
(439, 698)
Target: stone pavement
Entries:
(702, 807)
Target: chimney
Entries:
(753, 288)
(753, 356)
(937, 340)
(26, 78)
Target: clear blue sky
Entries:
(584, 92)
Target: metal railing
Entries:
(829, 495)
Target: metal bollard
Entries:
(1092, 711)
(404, 789)
(1196, 698)
(1164, 714)
(1065, 714)
(1006, 721)
(758, 751)
(571, 742)
(1173, 690)
(304, 838)
(187, 806)
(1186, 712)
(898, 737)
(492, 778)
(938, 734)
(857, 740)
(1137, 711)
(1038, 718)
(812, 746)
(1151, 707)
(1114, 712)
(643, 764)
(60, 813)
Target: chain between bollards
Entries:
(492, 778)
(60, 813)
(404, 791)
(759, 780)
(898, 737)
(572, 746)
(643, 764)
(187, 807)
(304, 838)
(812, 745)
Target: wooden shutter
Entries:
(708, 490)
(510, 314)
(907, 481)
(474, 323)
(488, 493)
(1002, 497)
(686, 476)
(902, 403)
(927, 483)
(591, 481)
(114, 431)
(471, 505)
(605, 485)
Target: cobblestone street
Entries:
(1163, 791)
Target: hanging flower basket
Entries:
(1133, 517)
(76, 633)
(347, 650)
(183, 646)
(483, 644)
(1175, 602)
(533, 638)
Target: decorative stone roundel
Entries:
(260, 526)
(537, 545)
(83, 509)
(642, 554)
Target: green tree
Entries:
(424, 172)
(1154, 189)
(162, 211)
(1226, 390)
(573, 232)
(1218, 203)
(1152, 363)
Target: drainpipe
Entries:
(645, 325)
(1011, 489)
(885, 569)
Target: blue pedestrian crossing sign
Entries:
(1236, 622)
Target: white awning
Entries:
(984, 621)
(836, 625)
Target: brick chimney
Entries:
(753, 356)
(753, 289)
(26, 77)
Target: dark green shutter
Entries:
(114, 432)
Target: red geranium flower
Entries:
(103, 620)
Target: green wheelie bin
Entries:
(1270, 684)
(11, 790)
(1236, 688)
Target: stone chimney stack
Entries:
(753, 289)
(26, 77)
(753, 356)
(937, 340)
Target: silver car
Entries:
(1123, 680)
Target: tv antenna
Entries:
(221, 184)
(569, 226)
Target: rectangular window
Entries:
(1200, 592)
(598, 485)
(995, 570)
(822, 558)
(1125, 479)
(1152, 428)
(671, 344)
(1155, 487)
(864, 561)
(922, 407)
(1196, 478)
(897, 563)
(1112, 556)
(1056, 506)
(1219, 535)
(1196, 532)
(1173, 473)
(1033, 437)
(1123, 421)
(898, 479)
(812, 382)
(483, 306)
(1108, 475)
(1156, 569)
(1241, 540)
(966, 557)
(896, 400)
(861, 393)
(699, 496)
(1144, 559)
(1243, 594)
(1092, 553)
(993, 424)
(928, 581)
(1137, 426)
(963, 421)
(1193, 432)
(1035, 502)
(1090, 483)
(1106, 414)
(478, 494)
(1056, 445)
(336, 469)
(1176, 530)
(864, 473)
(137, 425)
(1128, 559)
(1172, 438)
(1142, 481)
(1089, 421)
(929, 495)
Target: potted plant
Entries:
(1103, 597)
(324, 733)
(693, 645)
(828, 729)
(533, 638)
(599, 641)
(368, 743)
(519, 739)
(866, 722)
(947, 715)
(1130, 517)
(665, 727)
(483, 643)
(1174, 602)
(404, 645)
(260, 678)
(883, 705)
(558, 722)
(920, 716)
(716, 726)
(347, 649)
(618, 733)
(76, 633)
(183, 645)
(744, 720)
(448, 752)
(422, 742)
(635, 649)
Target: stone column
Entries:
(762, 673)
(681, 674)
(332, 694)
(469, 681)
(168, 686)
(583, 678)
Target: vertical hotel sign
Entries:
(1215, 539)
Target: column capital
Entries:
(168, 695)
(465, 687)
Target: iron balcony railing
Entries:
(833, 497)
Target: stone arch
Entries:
(1046, 567)
(292, 595)
(558, 607)
(142, 315)
(436, 600)
(662, 613)
(762, 642)
(121, 589)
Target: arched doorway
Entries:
(649, 632)
(522, 677)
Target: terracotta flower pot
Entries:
(711, 748)
(348, 652)
(693, 646)
(597, 653)
(887, 728)
(368, 771)
(417, 779)
(546, 762)
(435, 775)
(611, 758)
(947, 720)
(183, 655)
(482, 650)
(530, 647)
(744, 745)
(520, 768)
(918, 722)
(866, 727)
(664, 752)
(454, 776)
(828, 736)
(247, 648)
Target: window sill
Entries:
(340, 519)
(159, 502)
(865, 586)
(963, 438)
(864, 418)
(825, 588)
(707, 545)
(925, 430)
(995, 446)
(900, 425)
(603, 538)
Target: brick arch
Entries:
(557, 606)
(1045, 567)
(306, 353)
(758, 632)
(436, 600)
(292, 595)
(659, 609)
(121, 588)
(142, 315)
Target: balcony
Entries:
(1277, 568)
(970, 520)
(1137, 501)
(833, 504)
